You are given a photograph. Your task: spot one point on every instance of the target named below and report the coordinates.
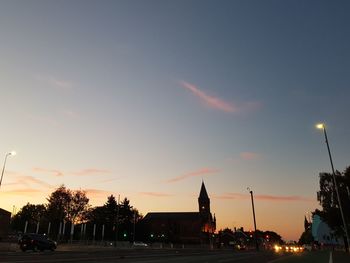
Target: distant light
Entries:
(320, 126)
(12, 153)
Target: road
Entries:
(138, 256)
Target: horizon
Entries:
(146, 99)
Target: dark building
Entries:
(182, 227)
(5, 218)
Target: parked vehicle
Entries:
(36, 242)
(139, 244)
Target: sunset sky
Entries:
(145, 99)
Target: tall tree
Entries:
(329, 201)
(111, 210)
(58, 204)
(78, 206)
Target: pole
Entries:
(71, 232)
(337, 192)
(3, 167)
(117, 222)
(48, 229)
(255, 234)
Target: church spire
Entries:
(203, 195)
(204, 202)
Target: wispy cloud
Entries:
(284, 198)
(108, 180)
(92, 171)
(201, 172)
(27, 180)
(20, 180)
(250, 156)
(24, 192)
(211, 101)
(245, 156)
(155, 194)
(55, 82)
(273, 198)
(51, 171)
(220, 104)
(97, 193)
(70, 114)
(43, 119)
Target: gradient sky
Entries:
(148, 98)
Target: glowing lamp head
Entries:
(320, 126)
(12, 153)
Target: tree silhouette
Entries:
(328, 200)
(30, 213)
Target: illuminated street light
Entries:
(3, 168)
(323, 127)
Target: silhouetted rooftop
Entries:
(172, 215)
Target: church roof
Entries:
(172, 216)
(203, 193)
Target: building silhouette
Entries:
(181, 227)
(5, 218)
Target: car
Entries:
(36, 242)
(139, 244)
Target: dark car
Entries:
(36, 242)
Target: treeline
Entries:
(68, 215)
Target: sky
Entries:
(145, 99)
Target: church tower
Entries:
(204, 203)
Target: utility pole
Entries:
(117, 221)
(255, 233)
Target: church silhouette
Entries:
(182, 227)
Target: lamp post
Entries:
(255, 233)
(323, 127)
(3, 168)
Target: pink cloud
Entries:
(212, 102)
(249, 156)
(155, 194)
(201, 172)
(220, 104)
(52, 171)
(43, 119)
(31, 180)
(284, 198)
(232, 196)
(97, 193)
(109, 180)
(274, 198)
(24, 192)
(55, 82)
(245, 156)
(92, 171)
(70, 114)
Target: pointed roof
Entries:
(203, 193)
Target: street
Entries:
(138, 255)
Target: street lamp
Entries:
(3, 168)
(323, 127)
(255, 233)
